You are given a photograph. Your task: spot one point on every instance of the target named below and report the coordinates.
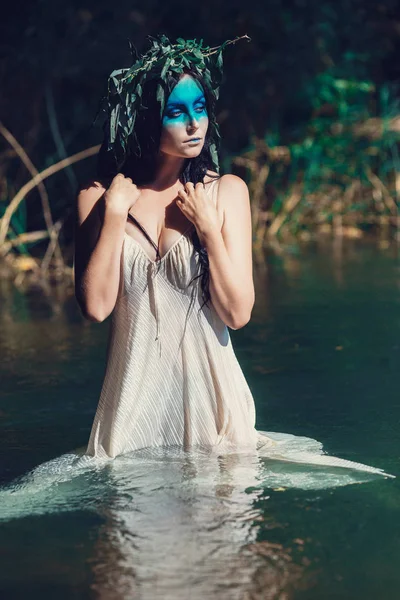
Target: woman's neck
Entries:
(167, 172)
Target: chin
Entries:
(193, 152)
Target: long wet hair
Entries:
(142, 168)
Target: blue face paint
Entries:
(185, 104)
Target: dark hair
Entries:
(141, 168)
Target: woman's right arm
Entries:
(99, 233)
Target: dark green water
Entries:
(321, 355)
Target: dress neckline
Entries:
(143, 251)
(177, 241)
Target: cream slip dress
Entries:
(172, 377)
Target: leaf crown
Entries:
(125, 87)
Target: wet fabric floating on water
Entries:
(76, 481)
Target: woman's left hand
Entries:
(198, 207)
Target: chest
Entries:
(157, 223)
(177, 269)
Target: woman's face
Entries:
(185, 117)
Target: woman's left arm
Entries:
(229, 250)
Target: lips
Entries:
(193, 140)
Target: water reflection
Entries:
(174, 522)
(189, 535)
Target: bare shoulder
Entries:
(87, 197)
(92, 186)
(227, 183)
(233, 193)
(210, 176)
(88, 216)
(233, 182)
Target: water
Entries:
(321, 355)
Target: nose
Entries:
(193, 122)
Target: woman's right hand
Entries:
(121, 195)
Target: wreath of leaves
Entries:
(125, 86)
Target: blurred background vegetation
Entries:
(309, 113)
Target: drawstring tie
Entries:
(157, 312)
(153, 280)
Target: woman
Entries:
(164, 245)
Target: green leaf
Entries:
(114, 123)
(165, 68)
(161, 95)
(214, 155)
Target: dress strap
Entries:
(145, 233)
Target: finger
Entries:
(189, 184)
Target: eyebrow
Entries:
(198, 99)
